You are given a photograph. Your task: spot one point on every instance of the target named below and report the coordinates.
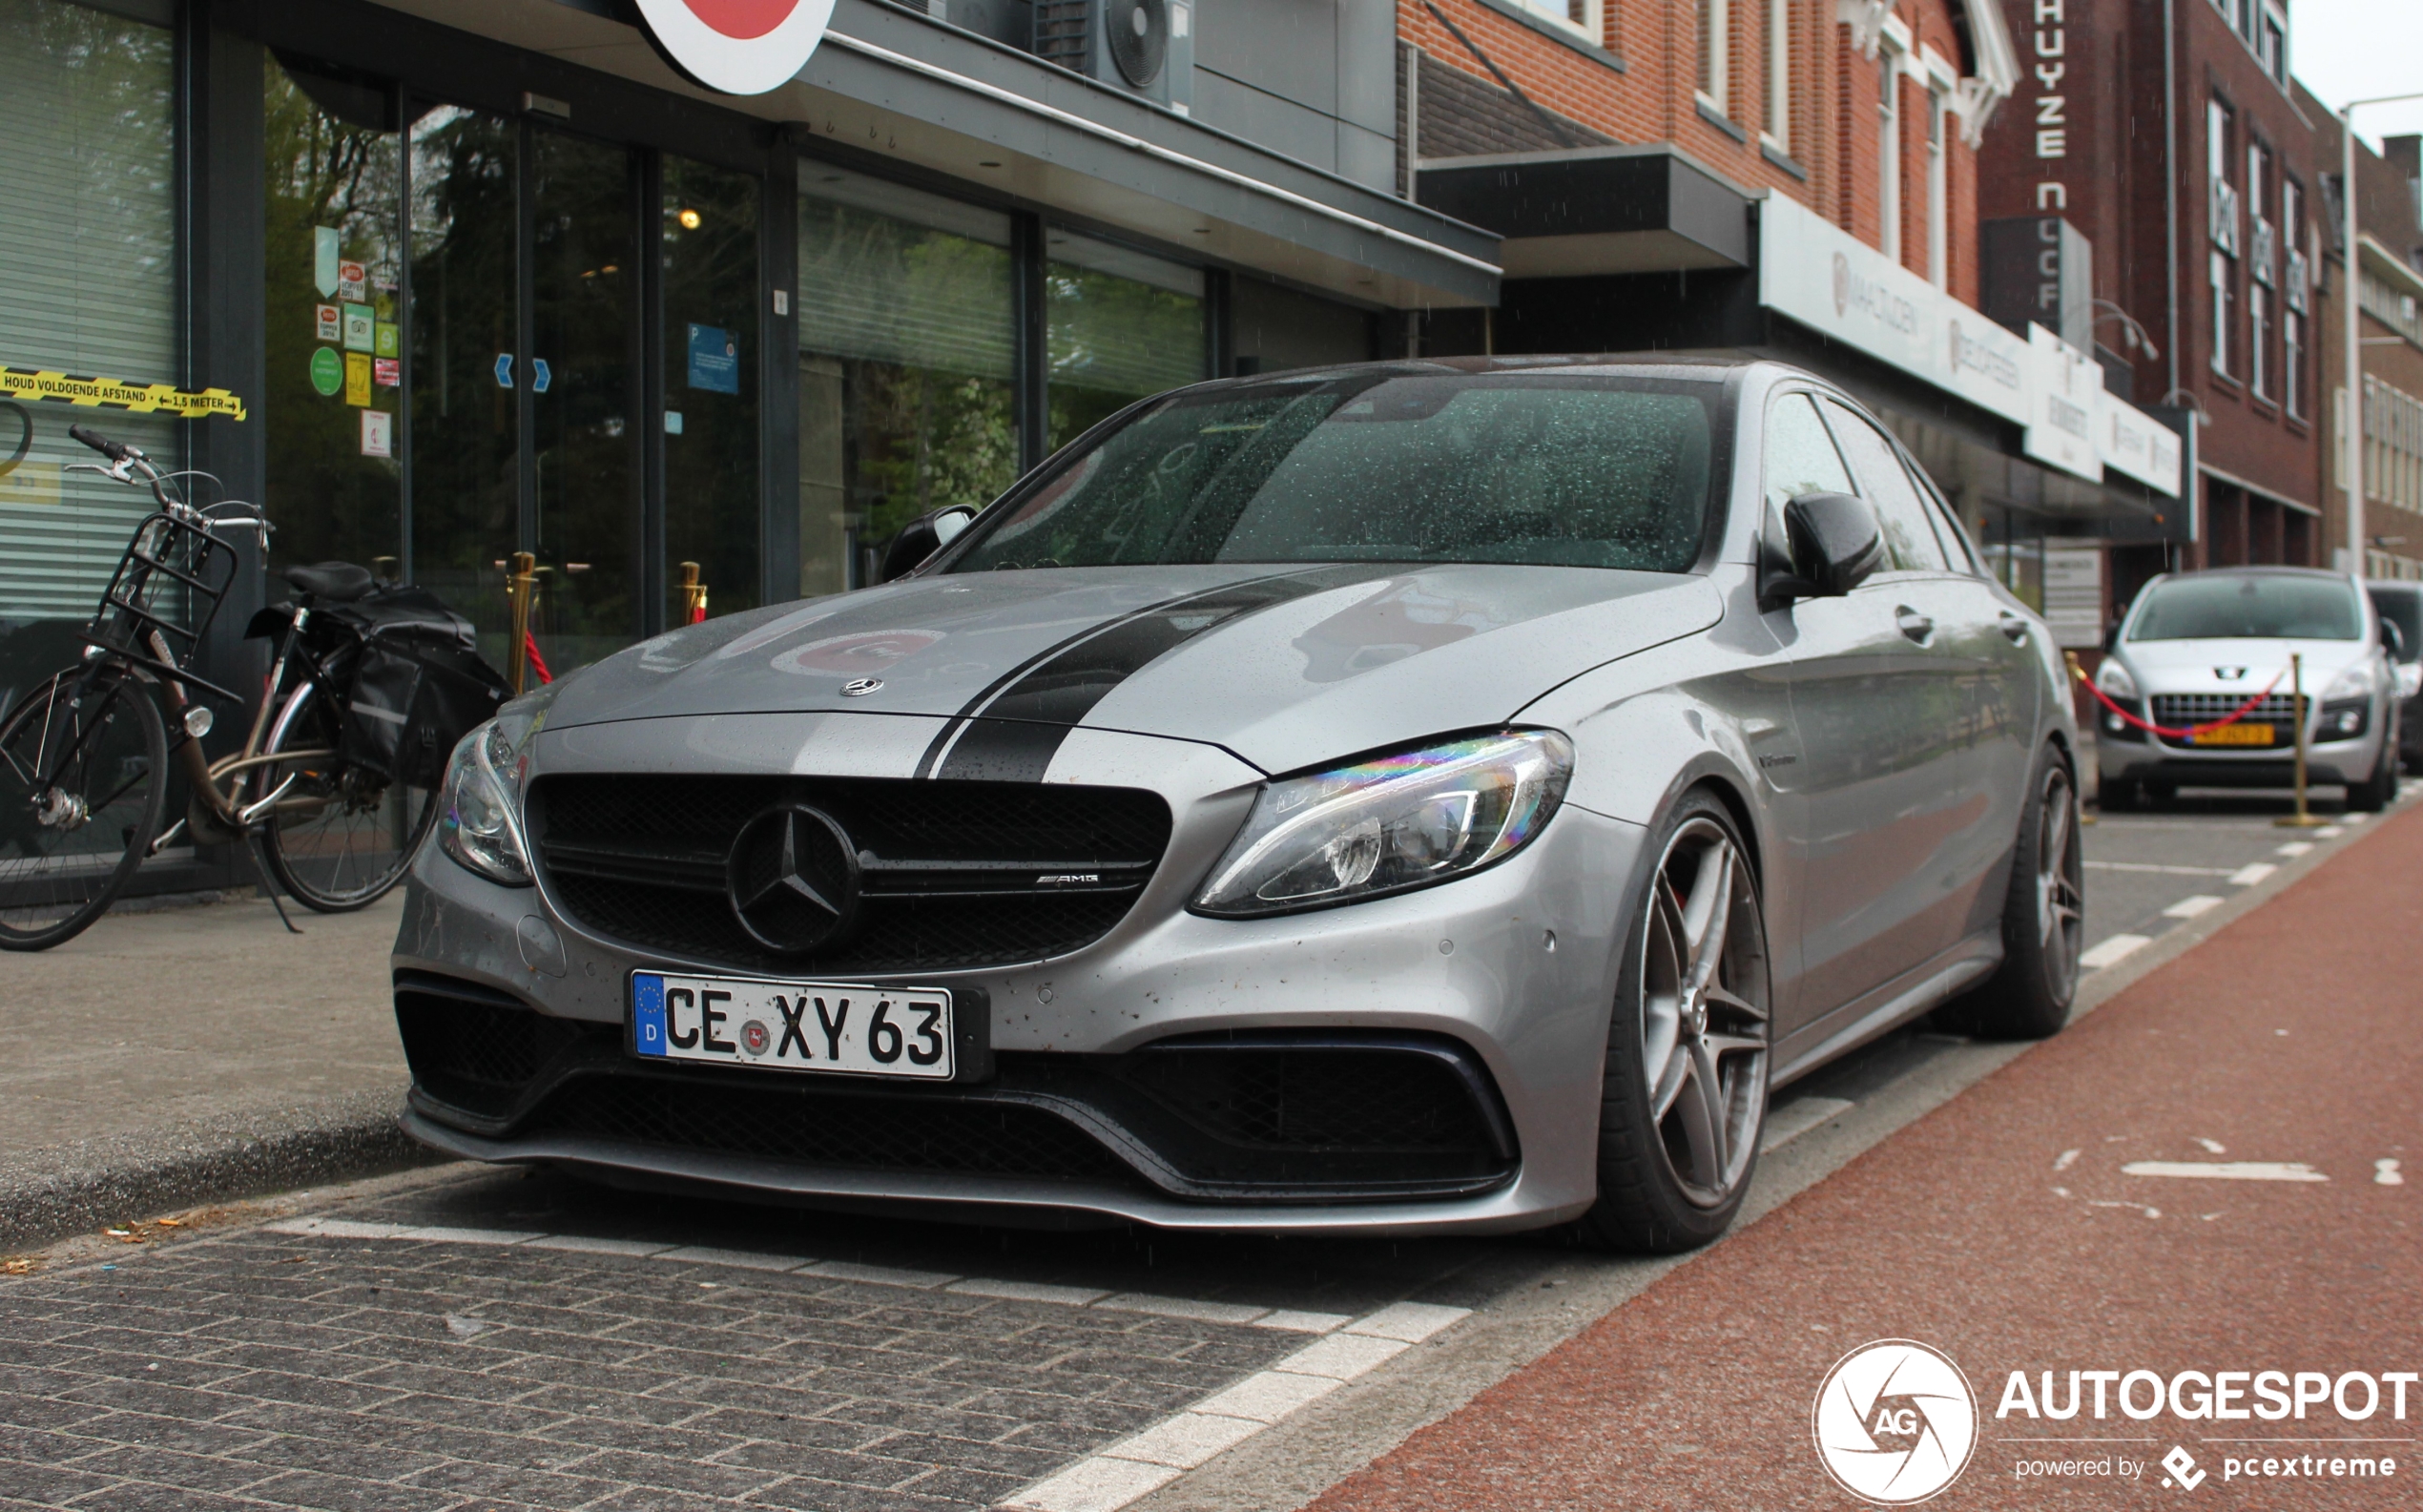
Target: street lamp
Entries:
(2351, 407)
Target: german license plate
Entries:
(776, 1025)
(2234, 734)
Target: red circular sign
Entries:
(743, 20)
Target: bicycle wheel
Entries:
(340, 835)
(83, 778)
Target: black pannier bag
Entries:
(410, 681)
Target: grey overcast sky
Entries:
(2346, 50)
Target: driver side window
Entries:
(1800, 456)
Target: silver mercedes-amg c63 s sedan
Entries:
(1397, 799)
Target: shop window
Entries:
(332, 187)
(88, 281)
(907, 361)
(1123, 324)
(465, 425)
(709, 242)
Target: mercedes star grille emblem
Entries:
(793, 879)
(861, 687)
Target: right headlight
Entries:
(1390, 825)
(475, 815)
(2114, 678)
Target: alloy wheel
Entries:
(1704, 1013)
(2061, 890)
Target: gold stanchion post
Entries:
(2085, 815)
(2300, 819)
(520, 585)
(694, 594)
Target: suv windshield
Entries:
(1540, 469)
(2222, 606)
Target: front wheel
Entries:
(2043, 920)
(2373, 793)
(339, 836)
(1685, 1095)
(83, 781)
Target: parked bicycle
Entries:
(336, 784)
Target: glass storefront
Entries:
(1124, 324)
(88, 285)
(708, 241)
(908, 347)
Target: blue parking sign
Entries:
(715, 358)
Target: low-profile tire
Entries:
(1684, 1100)
(2044, 919)
(2373, 793)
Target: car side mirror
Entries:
(2393, 638)
(923, 536)
(1831, 543)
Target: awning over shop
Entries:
(900, 87)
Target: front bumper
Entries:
(1510, 971)
(2126, 756)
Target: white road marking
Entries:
(2386, 1173)
(1136, 1466)
(2328, 832)
(2150, 1212)
(2351, 819)
(1796, 1118)
(2251, 873)
(2225, 1170)
(2117, 949)
(2190, 907)
(2167, 871)
(2061, 1191)
(2066, 1159)
(2294, 848)
(2212, 1146)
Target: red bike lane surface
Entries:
(2289, 1037)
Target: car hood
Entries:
(1284, 666)
(2236, 666)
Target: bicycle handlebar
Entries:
(116, 451)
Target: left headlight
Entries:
(1390, 825)
(475, 815)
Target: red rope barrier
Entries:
(2192, 731)
(538, 663)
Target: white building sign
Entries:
(1840, 287)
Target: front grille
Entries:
(2180, 711)
(821, 1126)
(949, 870)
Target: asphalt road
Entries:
(469, 1338)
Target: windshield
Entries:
(2222, 606)
(1538, 468)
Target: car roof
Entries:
(1712, 365)
(2323, 575)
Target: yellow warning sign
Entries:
(111, 393)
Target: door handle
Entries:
(2015, 627)
(1914, 625)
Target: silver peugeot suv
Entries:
(1406, 798)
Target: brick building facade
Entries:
(2186, 162)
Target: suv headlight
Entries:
(475, 815)
(2114, 679)
(1390, 825)
(2355, 682)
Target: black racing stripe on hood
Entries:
(1011, 732)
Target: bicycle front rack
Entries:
(167, 558)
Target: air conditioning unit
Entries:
(1143, 47)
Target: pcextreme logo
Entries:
(1895, 1421)
(737, 47)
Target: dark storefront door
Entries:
(528, 422)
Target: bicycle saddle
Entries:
(336, 582)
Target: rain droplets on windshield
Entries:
(1534, 469)
(2227, 606)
